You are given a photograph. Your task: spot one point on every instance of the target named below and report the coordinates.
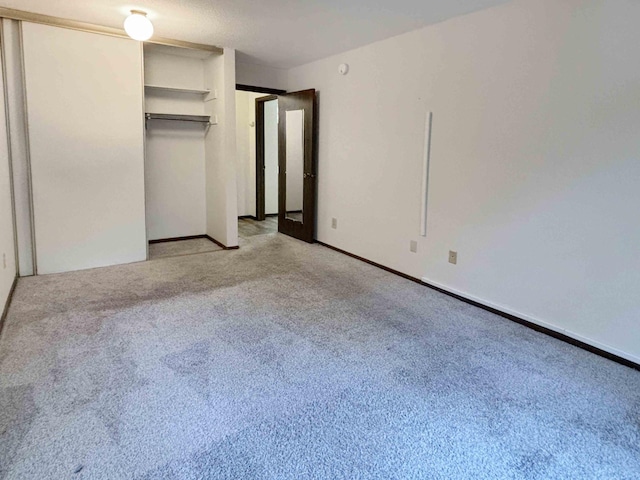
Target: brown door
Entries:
(297, 162)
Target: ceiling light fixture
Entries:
(138, 26)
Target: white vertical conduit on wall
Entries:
(425, 173)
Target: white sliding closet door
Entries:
(86, 132)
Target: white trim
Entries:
(534, 320)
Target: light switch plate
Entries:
(453, 257)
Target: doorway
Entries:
(266, 111)
(257, 160)
(276, 145)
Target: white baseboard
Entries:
(534, 320)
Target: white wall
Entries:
(220, 150)
(86, 137)
(246, 151)
(12, 51)
(175, 152)
(534, 168)
(261, 76)
(8, 266)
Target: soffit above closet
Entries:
(176, 51)
(276, 33)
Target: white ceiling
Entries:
(278, 33)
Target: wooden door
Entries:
(297, 140)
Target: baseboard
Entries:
(252, 217)
(193, 237)
(370, 262)
(177, 239)
(5, 310)
(539, 325)
(220, 244)
(525, 320)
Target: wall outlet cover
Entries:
(453, 257)
(334, 223)
(413, 246)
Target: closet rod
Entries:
(204, 119)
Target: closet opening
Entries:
(182, 102)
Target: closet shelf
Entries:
(176, 90)
(178, 118)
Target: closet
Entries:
(176, 128)
(115, 143)
(190, 173)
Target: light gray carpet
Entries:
(284, 360)
(247, 227)
(182, 247)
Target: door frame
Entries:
(255, 89)
(260, 180)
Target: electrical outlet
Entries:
(334, 223)
(453, 257)
(413, 246)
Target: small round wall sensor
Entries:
(343, 69)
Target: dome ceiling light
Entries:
(138, 26)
